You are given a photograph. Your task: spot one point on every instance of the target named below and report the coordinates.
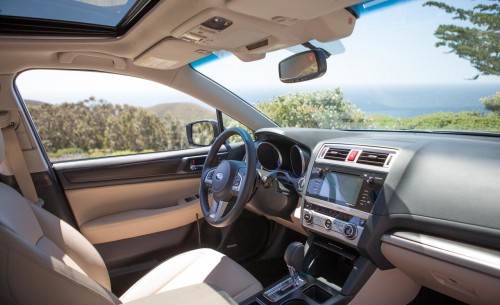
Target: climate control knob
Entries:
(308, 217)
(328, 224)
(350, 231)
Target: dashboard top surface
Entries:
(438, 183)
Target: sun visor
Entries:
(171, 54)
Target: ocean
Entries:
(406, 101)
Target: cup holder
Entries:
(295, 302)
(317, 294)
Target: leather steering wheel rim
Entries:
(247, 175)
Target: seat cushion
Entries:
(196, 267)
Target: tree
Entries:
(479, 43)
(492, 103)
(135, 129)
(175, 132)
(94, 125)
(101, 110)
(321, 109)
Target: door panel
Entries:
(93, 203)
(139, 168)
(117, 212)
(123, 197)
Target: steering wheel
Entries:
(231, 181)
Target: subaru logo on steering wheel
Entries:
(219, 176)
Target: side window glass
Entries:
(230, 122)
(81, 114)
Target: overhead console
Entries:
(252, 31)
(343, 185)
(248, 29)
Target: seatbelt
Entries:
(18, 165)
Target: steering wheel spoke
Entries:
(238, 183)
(217, 209)
(209, 176)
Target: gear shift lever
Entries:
(294, 256)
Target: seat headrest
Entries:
(2, 147)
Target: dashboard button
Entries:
(352, 155)
(328, 224)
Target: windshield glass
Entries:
(410, 65)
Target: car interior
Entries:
(284, 215)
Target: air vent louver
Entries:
(337, 154)
(373, 158)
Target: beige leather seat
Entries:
(43, 260)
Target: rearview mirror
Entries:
(202, 133)
(303, 66)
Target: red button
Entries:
(352, 155)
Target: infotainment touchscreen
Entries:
(348, 187)
(341, 188)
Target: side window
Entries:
(81, 114)
(230, 122)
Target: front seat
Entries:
(44, 260)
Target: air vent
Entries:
(337, 154)
(373, 158)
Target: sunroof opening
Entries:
(71, 17)
(97, 12)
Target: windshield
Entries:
(410, 65)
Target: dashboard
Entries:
(391, 196)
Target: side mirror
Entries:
(202, 133)
(303, 66)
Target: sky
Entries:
(393, 46)
(71, 86)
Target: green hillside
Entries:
(33, 102)
(185, 112)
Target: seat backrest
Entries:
(43, 260)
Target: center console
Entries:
(330, 274)
(342, 186)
